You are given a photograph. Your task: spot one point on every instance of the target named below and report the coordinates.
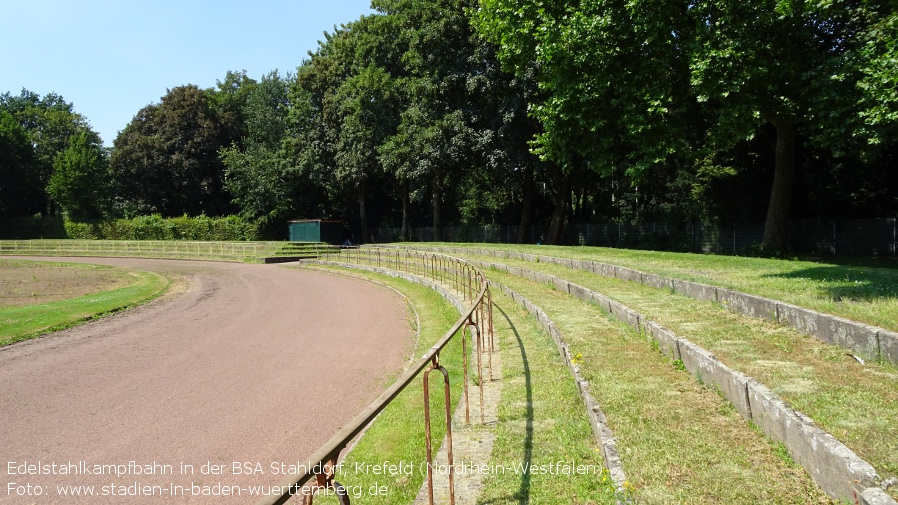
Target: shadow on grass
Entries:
(522, 496)
(849, 283)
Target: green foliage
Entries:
(464, 112)
(80, 183)
(32, 227)
(48, 124)
(229, 102)
(462, 120)
(155, 227)
(261, 174)
(642, 86)
(612, 74)
(879, 82)
(81, 231)
(18, 181)
(166, 159)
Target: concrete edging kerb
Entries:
(868, 341)
(838, 471)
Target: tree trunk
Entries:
(526, 205)
(562, 204)
(437, 209)
(776, 226)
(405, 198)
(363, 219)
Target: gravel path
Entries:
(257, 364)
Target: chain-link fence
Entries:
(842, 237)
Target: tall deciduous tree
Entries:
(166, 159)
(229, 100)
(81, 182)
(629, 84)
(786, 63)
(49, 122)
(263, 177)
(612, 76)
(457, 117)
(20, 190)
(345, 105)
(364, 108)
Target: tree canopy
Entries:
(166, 159)
(45, 128)
(471, 112)
(627, 82)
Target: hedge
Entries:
(155, 227)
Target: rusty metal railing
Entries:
(476, 320)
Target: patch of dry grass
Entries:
(25, 283)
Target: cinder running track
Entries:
(250, 364)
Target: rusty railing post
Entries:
(427, 436)
(479, 370)
(326, 480)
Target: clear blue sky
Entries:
(110, 58)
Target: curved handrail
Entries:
(321, 463)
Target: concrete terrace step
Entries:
(869, 341)
(833, 466)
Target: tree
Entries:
(364, 107)
(261, 174)
(784, 63)
(612, 78)
(166, 159)
(645, 85)
(344, 105)
(457, 117)
(229, 101)
(80, 183)
(49, 122)
(20, 189)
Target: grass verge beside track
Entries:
(396, 437)
(19, 323)
(541, 418)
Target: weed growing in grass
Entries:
(780, 450)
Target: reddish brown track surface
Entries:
(248, 363)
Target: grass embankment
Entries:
(865, 291)
(71, 293)
(679, 441)
(856, 403)
(541, 417)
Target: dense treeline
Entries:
(439, 112)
